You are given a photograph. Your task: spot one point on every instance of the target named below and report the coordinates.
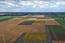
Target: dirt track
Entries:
(10, 30)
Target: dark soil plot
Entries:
(26, 23)
(57, 32)
(60, 36)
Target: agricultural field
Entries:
(18, 29)
(58, 32)
(3, 18)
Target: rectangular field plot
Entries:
(35, 37)
(56, 28)
(3, 18)
(1, 39)
(26, 23)
(57, 32)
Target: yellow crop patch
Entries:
(35, 36)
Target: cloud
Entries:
(28, 6)
(34, 4)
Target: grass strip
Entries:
(3, 18)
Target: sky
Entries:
(32, 6)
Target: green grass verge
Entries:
(3, 18)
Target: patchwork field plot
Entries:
(26, 23)
(31, 30)
(56, 28)
(35, 37)
(57, 33)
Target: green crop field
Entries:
(56, 29)
(3, 18)
(60, 19)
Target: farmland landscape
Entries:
(32, 28)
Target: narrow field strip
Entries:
(56, 28)
(3, 18)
